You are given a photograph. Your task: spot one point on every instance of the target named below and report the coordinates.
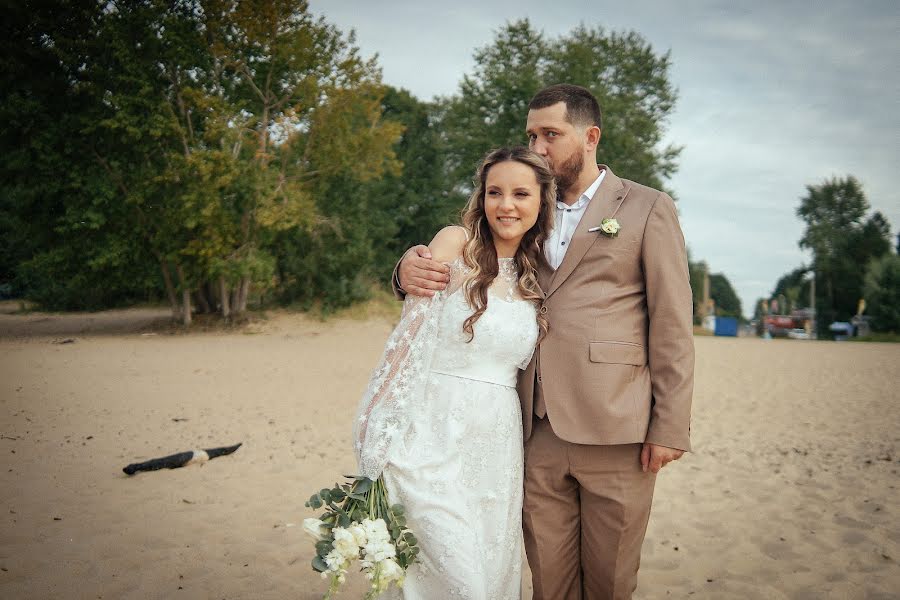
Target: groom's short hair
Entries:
(582, 107)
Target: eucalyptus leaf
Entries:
(319, 564)
(323, 547)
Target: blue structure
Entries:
(842, 330)
(726, 326)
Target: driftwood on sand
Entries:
(174, 461)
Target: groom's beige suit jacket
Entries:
(617, 365)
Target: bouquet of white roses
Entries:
(358, 523)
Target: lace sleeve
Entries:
(524, 364)
(397, 384)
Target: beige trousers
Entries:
(585, 514)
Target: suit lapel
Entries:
(604, 205)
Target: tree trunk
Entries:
(244, 292)
(235, 300)
(202, 302)
(209, 292)
(170, 289)
(223, 294)
(186, 309)
(185, 297)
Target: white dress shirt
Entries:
(567, 219)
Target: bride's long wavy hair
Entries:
(480, 254)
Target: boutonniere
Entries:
(609, 227)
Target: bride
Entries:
(440, 419)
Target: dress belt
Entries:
(470, 378)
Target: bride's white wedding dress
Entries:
(441, 421)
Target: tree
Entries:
(882, 292)
(629, 79)
(697, 272)
(726, 300)
(794, 286)
(631, 82)
(366, 226)
(490, 107)
(842, 242)
(199, 130)
(66, 240)
(419, 200)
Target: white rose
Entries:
(345, 543)
(610, 226)
(391, 571)
(378, 551)
(358, 533)
(315, 528)
(376, 531)
(335, 561)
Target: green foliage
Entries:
(365, 226)
(191, 132)
(629, 79)
(151, 148)
(794, 288)
(842, 241)
(727, 302)
(883, 338)
(408, 208)
(66, 241)
(697, 273)
(882, 293)
(326, 269)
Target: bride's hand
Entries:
(421, 276)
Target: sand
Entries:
(790, 493)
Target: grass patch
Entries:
(891, 338)
(380, 305)
(18, 307)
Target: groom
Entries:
(606, 399)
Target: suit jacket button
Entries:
(543, 310)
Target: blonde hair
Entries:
(480, 254)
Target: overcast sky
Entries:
(772, 96)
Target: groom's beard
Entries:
(568, 171)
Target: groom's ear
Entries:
(592, 137)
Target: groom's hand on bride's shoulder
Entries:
(654, 458)
(419, 275)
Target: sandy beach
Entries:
(790, 493)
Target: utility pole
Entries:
(812, 303)
(705, 290)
